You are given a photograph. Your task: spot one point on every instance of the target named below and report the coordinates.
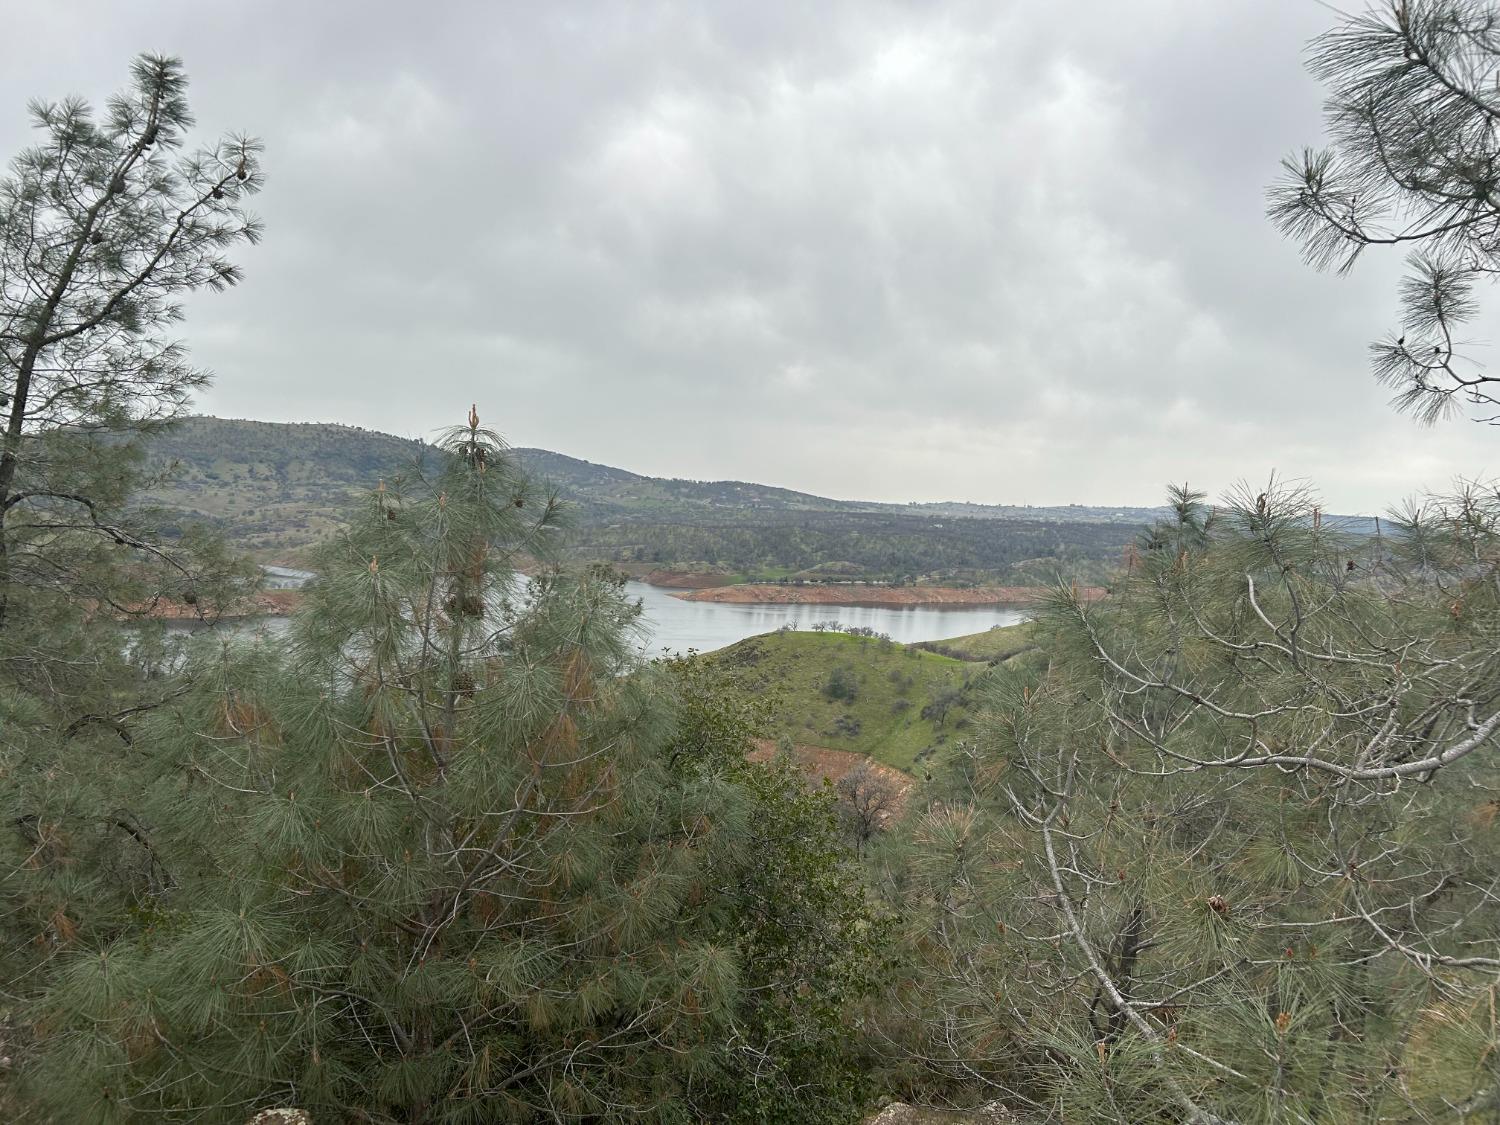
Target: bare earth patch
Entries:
(265, 603)
(823, 763)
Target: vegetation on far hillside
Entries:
(274, 489)
(278, 489)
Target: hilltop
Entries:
(274, 488)
(897, 704)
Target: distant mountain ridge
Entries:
(305, 453)
(603, 484)
(277, 488)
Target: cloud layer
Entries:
(1009, 253)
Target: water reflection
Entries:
(676, 625)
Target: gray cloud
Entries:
(994, 252)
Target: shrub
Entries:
(841, 685)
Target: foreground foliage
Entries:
(105, 226)
(1412, 162)
(445, 859)
(1230, 855)
(1222, 851)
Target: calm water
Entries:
(673, 625)
(676, 625)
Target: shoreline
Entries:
(953, 597)
(701, 588)
(265, 603)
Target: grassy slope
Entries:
(999, 644)
(894, 682)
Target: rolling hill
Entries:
(278, 488)
(898, 704)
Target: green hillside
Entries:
(897, 703)
(993, 645)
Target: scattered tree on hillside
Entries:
(868, 801)
(942, 703)
(841, 685)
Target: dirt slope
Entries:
(823, 763)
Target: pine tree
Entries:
(1227, 854)
(1231, 855)
(104, 227)
(451, 856)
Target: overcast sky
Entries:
(1005, 252)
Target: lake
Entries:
(673, 625)
(676, 625)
